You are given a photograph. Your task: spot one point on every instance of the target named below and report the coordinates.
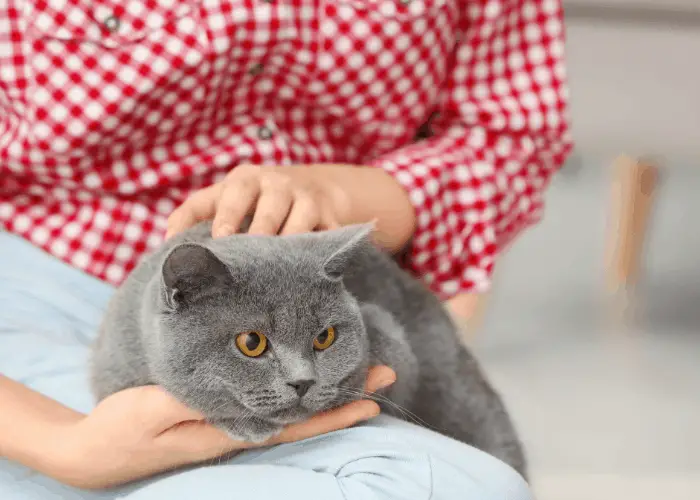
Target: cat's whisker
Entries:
(222, 450)
(408, 415)
(229, 385)
(412, 417)
(403, 410)
(246, 417)
(240, 419)
(219, 407)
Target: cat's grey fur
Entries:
(174, 321)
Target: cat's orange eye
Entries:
(252, 344)
(324, 339)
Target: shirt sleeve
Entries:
(499, 132)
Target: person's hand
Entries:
(139, 432)
(281, 200)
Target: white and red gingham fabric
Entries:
(113, 111)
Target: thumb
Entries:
(379, 377)
(198, 207)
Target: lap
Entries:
(49, 315)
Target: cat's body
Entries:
(175, 320)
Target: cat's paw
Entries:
(251, 431)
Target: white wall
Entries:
(635, 86)
(636, 4)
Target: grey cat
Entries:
(257, 332)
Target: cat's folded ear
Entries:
(345, 244)
(191, 271)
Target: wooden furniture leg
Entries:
(468, 313)
(470, 309)
(634, 186)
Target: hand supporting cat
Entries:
(137, 432)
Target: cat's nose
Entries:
(301, 386)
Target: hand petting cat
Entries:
(298, 199)
(142, 431)
(282, 202)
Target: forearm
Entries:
(366, 194)
(31, 426)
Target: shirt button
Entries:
(112, 23)
(264, 133)
(256, 69)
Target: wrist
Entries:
(360, 194)
(35, 430)
(65, 454)
(80, 459)
(374, 194)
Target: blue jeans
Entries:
(49, 313)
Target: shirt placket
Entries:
(267, 31)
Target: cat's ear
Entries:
(345, 243)
(190, 271)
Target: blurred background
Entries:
(592, 330)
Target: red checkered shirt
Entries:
(113, 111)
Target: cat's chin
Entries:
(255, 430)
(259, 428)
(290, 415)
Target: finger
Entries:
(327, 220)
(331, 223)
(237, 199)
(379, 377)
(304, 216)
(271, 211)
(333, 420)
(200, 206)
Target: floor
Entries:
(606, 412)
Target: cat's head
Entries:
(263, 327)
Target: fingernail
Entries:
(385, 383)
(223, 231)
